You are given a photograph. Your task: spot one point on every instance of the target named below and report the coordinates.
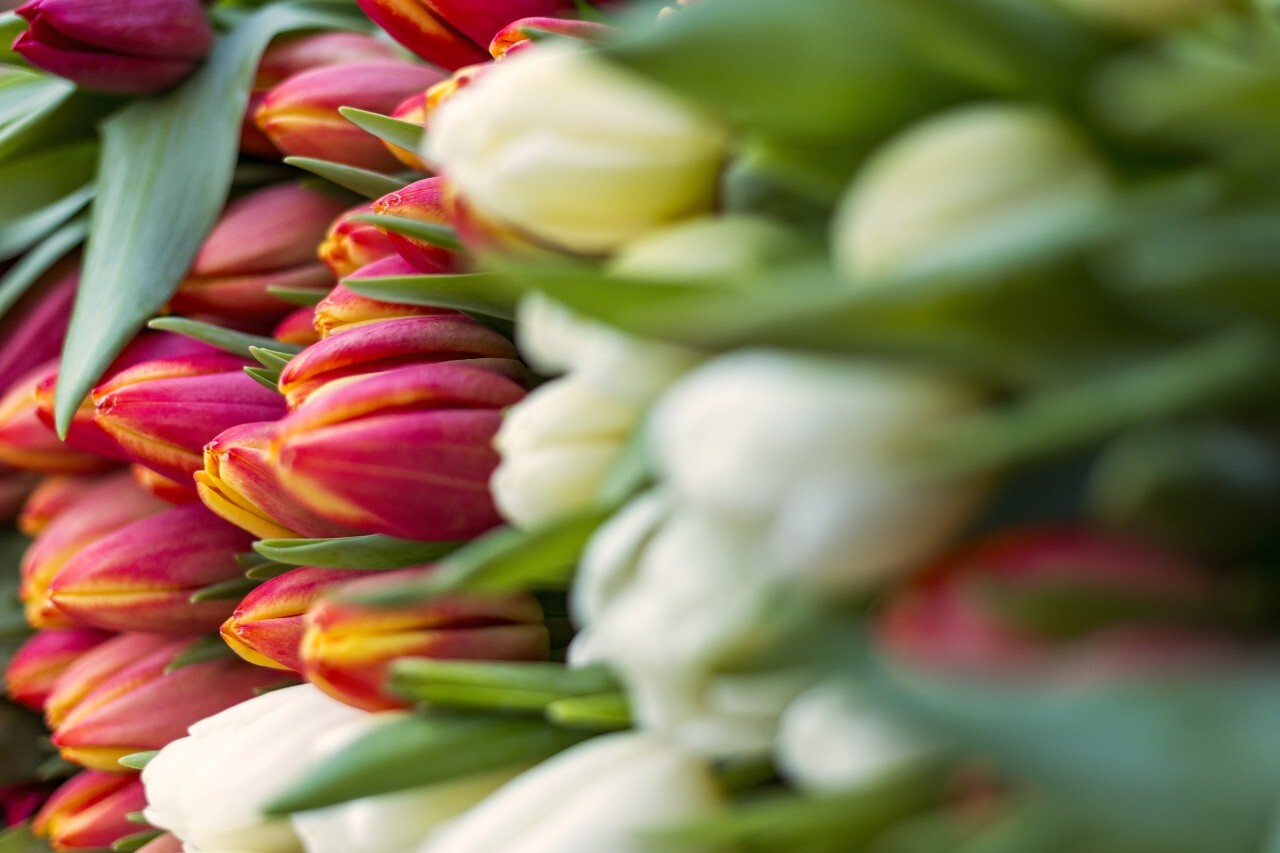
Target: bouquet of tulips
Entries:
(537, 426)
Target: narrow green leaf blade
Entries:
(228, 590)
(302, 296)
(360, 181)
(201, 651)
(441, 236)
(354, 552)
(264, 377)
(138, 760)
(401, 134)
(14, 283)
(270, 358)
(484, 293)
(136, 841)
(238, 343)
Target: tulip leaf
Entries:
(402, 134)
(11, 26)
(138, 760)
(203, 650)
(486, 293)
(303, 296)
(19, 839)
(137, 817)
(499, 686)
(270, 358)
(237, 343)
(354, 552)
(32, 265)
(360, 181)
(603, 712)
(440, 236)
(164, 174)
(228, 590)
(136, 841)
(41, 192)
(264, 377)
(420, 750)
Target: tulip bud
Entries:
(267, 626)
(240, 484)
(345, 309)
(142, 576)
(20, 802)
(265, 239)
(301, 116)
(452, 34)
(147, 703)
(298, 328)
(91, 811)
(34, 329)
(163, 412)
(514, 37)
(407, 453)
(966, 189)
(412, 110)
(110, 505)
(348, 648)
(441, 92)
(35, 668)
(621, 156)
(26, 442)
(49, 499)
(350, 246)
(392, 343)
(130, 48)
(167, 490)
(422, 200)
(94, 668)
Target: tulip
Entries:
(569, 150)
(352, 245)
(446, 89)
(142, 576)
(34, 329)
(451, 34)
(920, 206)
(422, 200)
(131, 48)
(111, 504)
(298, 328)
(170, 491)
(15, 488)
(35, 668)
(345, 309)
(348, 648)
(265, 239)
(51, 498)
(20, 802)
(146, 704)
(267, 626)
(102, 664)
(91, 811)
(514, 37)
(599, 795)
(413, 110)
(301, 116)
(407, 453)
(26, 442)
(163, 412)
(392, 343)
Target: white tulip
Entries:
(598, 796)
(576, 152)
(967, 187)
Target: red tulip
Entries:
(267, 627)
(352, 245)
(36, 667)
(34, 329)
(514, 37)
(298, 328)
(29, 444)
(423, 200)
(49, 499)
(91, 811)
(344, 309)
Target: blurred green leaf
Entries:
(135, 841)
(18, 839)
(305, 297)
(401, 134)
(482, 292)
(138, 760)
(11, 26)
(202, 650)
(604, 712)
(165, 171)
(229, 590)
(500, 686)
(42, 191)
(35, 263)
(230, 340)
(360, 181)
(354, 552)
(434, 233)
(63, 115)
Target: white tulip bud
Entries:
(574, 151)
(714, 250)
(966, 189)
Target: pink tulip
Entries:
(514, 37)
(406, 453)
(27, 443)
(267, 626)
(85, 674)
(34, 329)
(423, 200)
(167, 490)
(298, 328)
(352, 245)
(19, 802)
(125, 46)
(49, 499)
(91, 811)
(344, 309)
(413, 110)
(36, 667)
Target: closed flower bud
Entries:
(241, 484)
(298, 328)
(452, 34)
(49, 499)
(163, 412)
(91, 811)
(129, 47)
(967, 189)
(348, 648)
(34, 329)
(142, 576)
(393, 343)
(92, 669)
(352, 245)
(441, 92)
(170, 491)
(301, 116)
(343, 309)
(265, 239)
(569, 150)
(27, 443)
(147, 703)
(514, 37)
(413, 110)
(110, 505)
(35, 668)
(407, 453)
(267, 626)
(19, 802)
(423, 200)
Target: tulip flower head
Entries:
(425, 201)
(27, 443)
(298, 328)
(349, 246)
(36, 667)
(51, 498)
(91, 811)
(268, 624)
(33, 330)
(344, 309)
(413, 110)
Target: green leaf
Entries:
(11, 26)
(228, 590)
(165, 171)
(32, 265)
(484, 293)
(353, 552)
(441, 236)
(270, 358)
(138, 760)
(401, 134)
(18, 839)
(42, 191)
(303, 296)
(202, 650)
(135, 841)
(65, 114)
(237, 343)
(422, 750)
(500, 686)
(267, 570)
(264, 377)
(605, 712)
(360, 181)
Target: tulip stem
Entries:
(605, 712)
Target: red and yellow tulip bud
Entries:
(298, 328)
(108, 506)
(51, 497)
(414, 111)
(352, 245)
(27, 443)
(344, 309)
(19, 802)
(514, 37)
(85, 674)
(167, 490)
(451, 33)
(264, 240)
(446, 89)
(347, 648)
(125, 46)
(142, 576)
(91, 811)
(300, 116)
(393, 343)
(162, 413)
(149, 703)
(267, 626)
(34, 329)
(407, 453)
(423, 200)
(240, 484)
(36, 667)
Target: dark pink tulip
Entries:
(95, 667)
(48, 500)
(298, 328)
(36, 667)
(34, 329)
(407, 453)
(20, 802)
(351, 245)
(423, 200)
(344, 309)
(267, 626)
(27, 442)
(514, 37)
(91, 810)
(125, 46)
